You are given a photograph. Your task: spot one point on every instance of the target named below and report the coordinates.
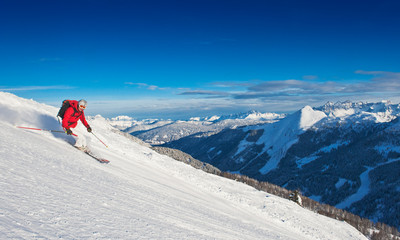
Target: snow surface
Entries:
(364, 189)
(52, 190)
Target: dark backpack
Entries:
(65, 105)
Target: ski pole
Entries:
(39, 129)
(99, 139)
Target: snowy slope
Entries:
(279, 137)
(51, 190)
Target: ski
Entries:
(88, 152)
(38, 129)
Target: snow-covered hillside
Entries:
(52, 190)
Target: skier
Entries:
(73, 113)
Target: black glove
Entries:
(89, 129)
(68, 131)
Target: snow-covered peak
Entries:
(278, 137)
(213, 118)
(383, 111)
(253, 115)
(264, 116)
(122, 118)
(309, 117)
(336, 109)
(122, 122)
(195, 119)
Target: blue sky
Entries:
(175, 59)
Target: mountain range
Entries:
(345, 154)
(160, 131)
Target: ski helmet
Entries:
(82, 103)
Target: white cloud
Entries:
(266, 96)
(205, 92)
(147, 86)
(382, 83)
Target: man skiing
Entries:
(73, 113)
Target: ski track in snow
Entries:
(50, 190)
(362, 191)
(364, 188)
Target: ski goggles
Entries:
(82, 106)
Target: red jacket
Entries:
(72, 115)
